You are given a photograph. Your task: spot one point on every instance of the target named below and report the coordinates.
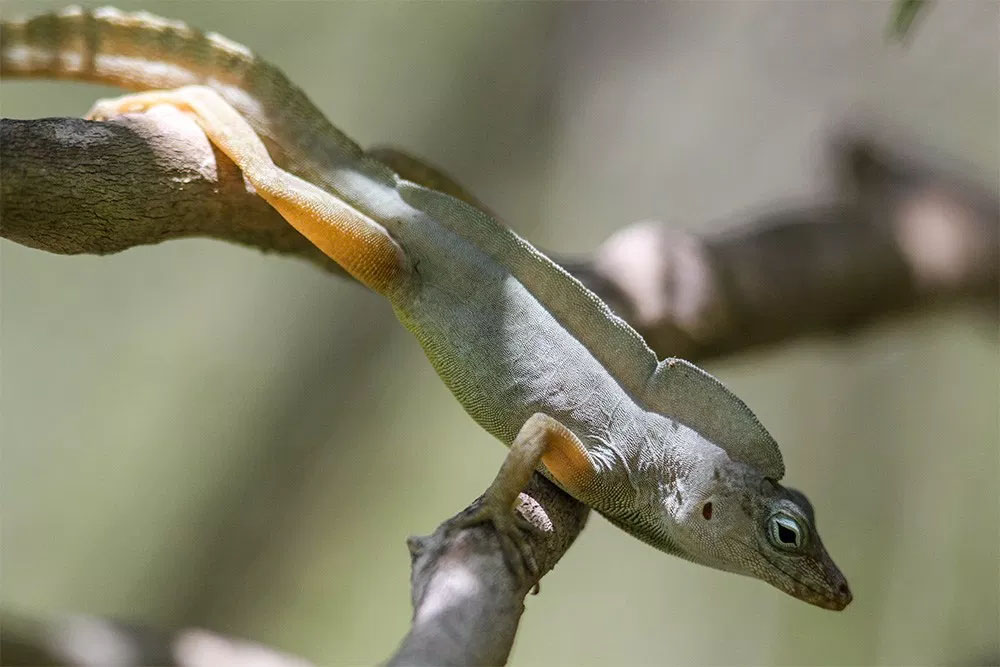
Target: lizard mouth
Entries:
(835, 597)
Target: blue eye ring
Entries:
(786, 532)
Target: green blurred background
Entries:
(195, 433)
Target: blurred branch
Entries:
(93, 641)
(898, 238)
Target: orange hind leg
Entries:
(352, 239)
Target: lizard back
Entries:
(142, 51)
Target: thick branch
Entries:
(72, 186)
(898, 239)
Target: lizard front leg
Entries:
(542, 439)
(353, 240)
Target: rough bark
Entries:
(897, 238)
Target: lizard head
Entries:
(739, 520)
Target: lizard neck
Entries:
(657, 478)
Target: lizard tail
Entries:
(130, 50)
(140, 51)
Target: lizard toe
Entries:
(510, 528)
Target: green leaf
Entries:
(904, 13)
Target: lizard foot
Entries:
(511, 528)
(110, 107)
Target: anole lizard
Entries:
(663, 450)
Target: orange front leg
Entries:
(542, 439)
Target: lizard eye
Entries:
(785, 531)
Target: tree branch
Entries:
(73, 186)
(89, 640)
(897, 239)
(466, 600)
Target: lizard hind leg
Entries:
(542, 439)
(356, 242)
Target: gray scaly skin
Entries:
(662, 449)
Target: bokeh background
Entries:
(195, 433)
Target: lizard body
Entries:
(659, 448)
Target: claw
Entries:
(510, 527)
(110, 107)
(104, 109)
